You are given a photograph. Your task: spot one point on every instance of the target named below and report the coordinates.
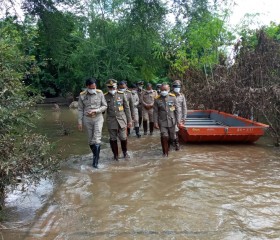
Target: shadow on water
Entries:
(204, 191)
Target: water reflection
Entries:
(201, 192)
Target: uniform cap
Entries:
(140, 83)
(111, 83)
(121, 82)
(177, 83)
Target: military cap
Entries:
(158, 85)
(121, 83)
(111, 83)
(133, 86)
(140, 83)
(177, 83)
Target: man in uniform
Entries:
(123, 88)
(140, 85)
(181, 100)
(91, 104)
(148, 98)
(166, 116)
(158, 88)
(118, 118)
(135, 100)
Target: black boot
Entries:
(128, 131)
(93, 152)
(96, 155)
(140, 119)
(164, 145)
(124, 148)
(176, 143)
(151, 128)
(145, 127)
(137, 132)
(115, 150)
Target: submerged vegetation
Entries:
(59, 43)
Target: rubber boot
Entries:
(176, 142)
(151, 128)
(96, 156)
(124, 148)
(137, 132)
(145, 127)
(140, 120)
(164, 145)
(115, 150)
(128, 131)
(93, 153)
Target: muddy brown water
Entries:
(204, 191)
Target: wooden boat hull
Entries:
(215, 126)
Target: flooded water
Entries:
(204, 191)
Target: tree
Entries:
(23, 154)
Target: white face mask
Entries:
(112, 92)
(134, 91)
(91, 91)
(122, 89)
(149, 91)
(164, 93)
(177, 90)
(140, 87)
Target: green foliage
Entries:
(23, 154)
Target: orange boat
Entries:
(215, 126)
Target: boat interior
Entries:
(214, 119)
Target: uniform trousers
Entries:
(94, 127)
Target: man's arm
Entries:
(104, 105)
(127, 111)
(131, 106)
(80, 113)
(155, 114)
(177, 111)
(184, 108)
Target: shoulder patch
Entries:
(83, 92)
(172, 95)
(98, 90)
(157, 97)
(120, 92)
(105, 93)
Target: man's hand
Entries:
(92, 112)
(80, 127)
(129, 125)
(156, 126)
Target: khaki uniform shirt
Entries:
(128, 95)
(148, 98)
(182, 104)
(135, 99)
(118, 112)
(166, 111)
(140, 93)
(87, 102)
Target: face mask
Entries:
(164, 93)
(149, 91)
(177, 90)
(91, 91)
(140, 87)
(122, 89)
(134, 91)
(112, 92)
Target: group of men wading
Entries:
(162, 109)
